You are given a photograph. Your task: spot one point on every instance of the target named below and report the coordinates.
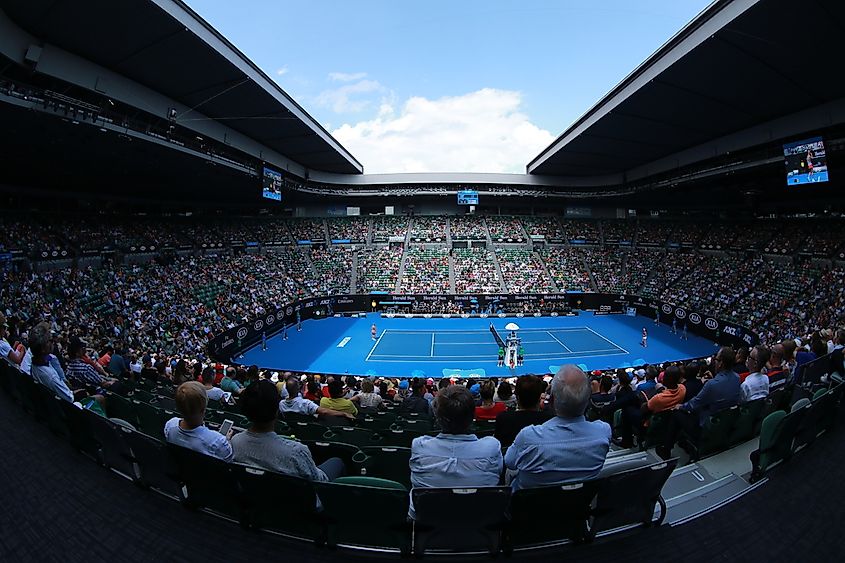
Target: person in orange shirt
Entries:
(671, 396)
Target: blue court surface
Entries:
(434, 347)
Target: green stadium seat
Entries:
(352, 457)
(715, 433)
(120, 407)
(776, 438)
(389, 462)
(568, 506)
(657, 432)
(207, 482)
(280, 503)
(828, 418)
(460, 519)
(154, 463)
(349, 435)
(307, 430)
(810, 426)
(746, 422)
(114, 450)
(48, 404)
(81, 436)
(396, 438)
(628, 499)
(379, 517)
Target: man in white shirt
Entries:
(756, 384)
(189, 431)
(41, 345)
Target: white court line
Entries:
(431, 354)
(607, 340)
(492, 343)
(486, 330)
(375, 345)
(419, 359)
(559, 342)
(607, 352)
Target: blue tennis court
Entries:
(436, 346)
(443, 346)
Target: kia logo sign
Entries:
(271, 319)
(695, 318)
(680, 313)
(259, 324)
(712, 324)
(667, 308)
(242, 332)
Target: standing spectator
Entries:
(566, 448)
(527, 413)
(455, 458)
(189, 431)
(756, 384)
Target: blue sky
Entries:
(447, 86)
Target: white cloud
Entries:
(349, 98)
(282, 71)
(482, 131)
(346, 76)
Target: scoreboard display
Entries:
(467, 197)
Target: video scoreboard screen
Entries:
(806, 162)
(468, 197)
(271, 184)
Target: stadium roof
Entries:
(167, 47)
(737, 66)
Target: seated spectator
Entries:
(230, 382)
(14, 353)
(368, 398)
(690, 381)
(672, 395)
(719, 393)
(335, 401)
(295, 403)
(416, 401)
(455, 458)
(213, 393)
(189, 431)
(82, 375)
(527, 413)
(148, 372)
(756, 384)
(604, 396)
(488, 410)
(504, 394)
(313, 392)
(565, 449)
(41, 346)
(777, 373)
(740, 368)
(260, 446)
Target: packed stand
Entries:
(467, 227)
(353, 229)
(608, 269)
(669, 270)
(654, 233)
(523, 271)
(334, 270)
(307, 229)
(566, 266)
(427, 228)
(619, 232)
(475, 271)
(581, 231)
(386, 227)
(378, 269)
(546, 227)
(426, 271)
(505, 229)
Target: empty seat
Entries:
(628, 498)
(460, 519)
(114, 450)
(746, 422)
(207, 482)
(389, 462)
(379, 517)
(155, 466)
(567, 505)
(715, 433)
(776, 438)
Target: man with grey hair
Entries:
(565, 449)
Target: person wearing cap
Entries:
(14, 353)
(565, 449)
